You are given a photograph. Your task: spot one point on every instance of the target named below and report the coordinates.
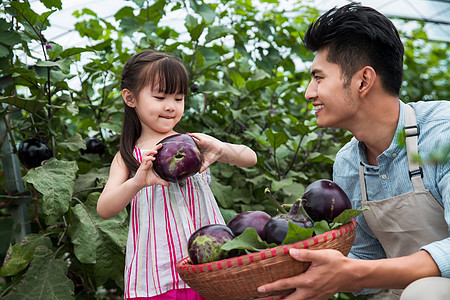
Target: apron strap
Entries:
(362, 183)
(415, 171)
(412, 132)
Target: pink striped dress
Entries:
(161, 221)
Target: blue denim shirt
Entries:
(391, 178)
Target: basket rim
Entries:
(184, 267)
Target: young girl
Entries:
(163, 215)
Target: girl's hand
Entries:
(210, 147)
(145, 175)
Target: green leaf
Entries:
(294, 189)
(209, 57)
(215, 32)
(129, 25)
(321, 227)
(237, 79)
(296, 233)
(124, 12)
(9, 38)
(24, 10)
(207, 13)
(195, 29)
(247, 240)
(44, 16)
(97, 241)
(63, 64)
(259, 138)
(117, 128)
(93, 178)
(280, 184)
(346, 216)
(276, 139)
(52, 3)
(319, 157)
(139, 3)
(75, 50)
(253, 85)
(55, 180)
(74, 143)
(4, 52)
(227, 214)
(222, 194)
(149, 28)
(31, 104)
(45, 280)
(299, 127)
(20, 255)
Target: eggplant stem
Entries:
(301, 209)
(275, 202)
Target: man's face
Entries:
(334, 104)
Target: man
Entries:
(356, 78)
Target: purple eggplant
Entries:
(255, 219)
(276, 229)
(32, 152)
(204, 245)
(178, 158)
(324, 200)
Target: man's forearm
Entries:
(391, 273)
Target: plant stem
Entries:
(275, 202)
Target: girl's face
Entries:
(157, 111)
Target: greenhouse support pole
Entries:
(14, 185)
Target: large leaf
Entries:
(247, 240)
(93, 178)
(296, 233)
(97, 241)
(74, 143)
(55, 180)
(45, 280)
(23, 10)
(31, 105)
(276, 139)
(63, 64)
(21, 254)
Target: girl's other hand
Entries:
(210, 147)
(145, 175)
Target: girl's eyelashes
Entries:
(162, 98)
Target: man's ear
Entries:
(367, 77)
(128, 98)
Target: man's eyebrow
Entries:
(315, 71)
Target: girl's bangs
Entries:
(167, 75)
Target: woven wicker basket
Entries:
(239, 277)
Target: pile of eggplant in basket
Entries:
(323, 206)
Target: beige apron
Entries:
(405, 223)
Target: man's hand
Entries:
(322, 280)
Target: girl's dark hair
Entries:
(147, 69)
(358, 36)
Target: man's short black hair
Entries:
(357, 36)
